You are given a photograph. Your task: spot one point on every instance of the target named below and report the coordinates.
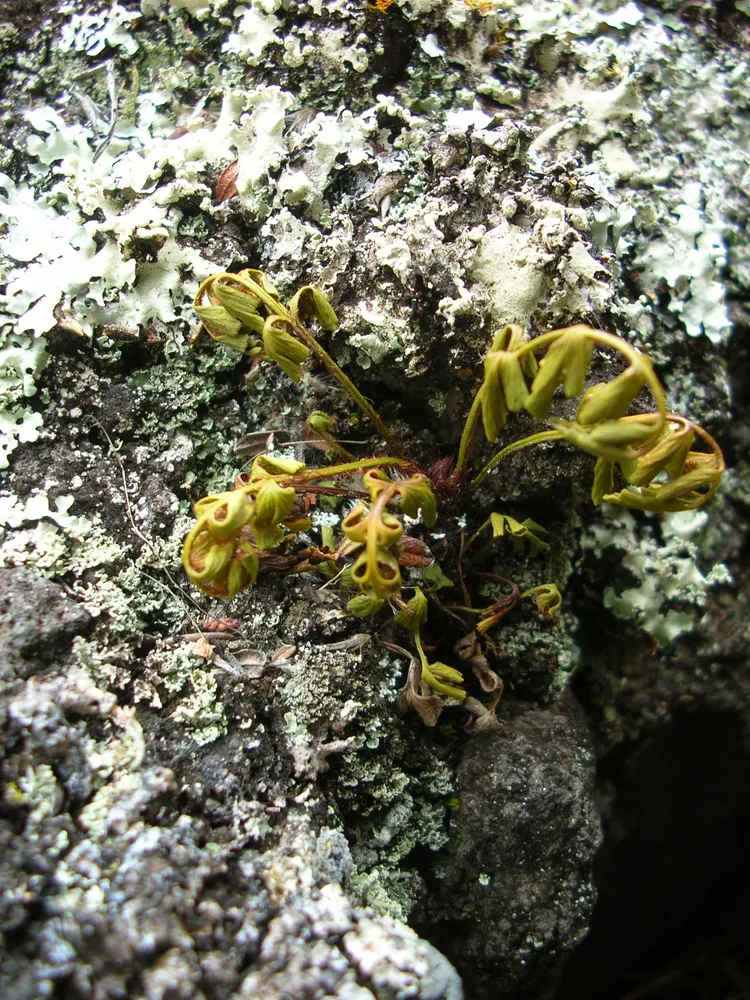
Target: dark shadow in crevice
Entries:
(673, 874)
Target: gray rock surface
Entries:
(36, 618)
(189, 815)
(118, 893)
(516, 893)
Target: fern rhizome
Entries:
(259, 526)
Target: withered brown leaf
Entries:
(469, 650)
(202, 647)
(282, 654)
(483, 718)
(413, 552)
(226, 185)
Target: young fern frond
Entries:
(318, 431)
(244, 311)
(521, 532)
(644, 445)
(439, 676)
(377, 571)
(690, 478)
(256, 527)
(223, 552)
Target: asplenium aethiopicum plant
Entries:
(254, 527)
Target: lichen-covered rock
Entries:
(134, 897)
(346, 954)
(191, 812)
(516, 887)
(37, 618)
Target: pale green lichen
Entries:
(181, 678)
(173, 668)
(389, 892)
(670, 586)
(38, 790)
(331, 699)
(93, 33)
(513, 269)
(123, 595)
(689, 258)
(255, 31)
(58, 542)
(108, 664)
(21, 360)
(201, 711)
(397, 810)
(96, 815)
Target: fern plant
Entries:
(254, 527)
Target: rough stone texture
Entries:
(518, 880)
(134, 897)
(247, 814)
(36, 618)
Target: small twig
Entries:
(144, 538)
(400, 649)
(333, 579)
(89, 108)
(467, 598)
(112, 90)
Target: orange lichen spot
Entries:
(381, 5)
(484, 7)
